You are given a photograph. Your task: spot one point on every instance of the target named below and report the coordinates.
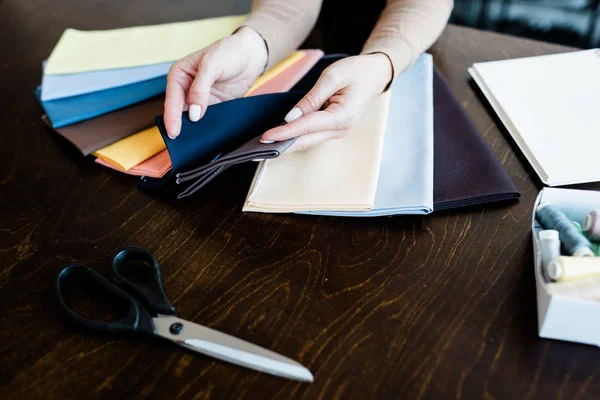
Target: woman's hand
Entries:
(222, 71)
(329, 110)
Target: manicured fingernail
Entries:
(172, 136)
(194, 112)
(293, 115)
(267, 141)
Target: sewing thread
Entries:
(591, 225)
(595, 245)
(549, 249)
(565, 268)
(573, 241)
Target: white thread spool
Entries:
(591, 225)
(550, 249)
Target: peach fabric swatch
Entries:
(288, 77)
(154, 167)
(276, 70)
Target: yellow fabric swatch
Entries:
(134, 149)
(81, 51)
(276, 70)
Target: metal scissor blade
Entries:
(228, 348)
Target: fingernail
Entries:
(172, 136)
(194, 112)
(293, 115)
(267, 141)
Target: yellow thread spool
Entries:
(565, 268)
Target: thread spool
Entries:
(565, 268)
(573, 241)
(549, 248)
(591, 225)
(595, 245)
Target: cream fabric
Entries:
(338, 175)
(82, 51)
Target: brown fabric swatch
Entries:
(466, 171)
(93, 134)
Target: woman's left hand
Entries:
(330, 109)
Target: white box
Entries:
(560, 317)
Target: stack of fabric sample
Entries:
(413, 151)
(101, 90)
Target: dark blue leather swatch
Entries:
(224, 127)
(67, 111)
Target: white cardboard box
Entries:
(560, 317)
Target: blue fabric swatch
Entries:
(68, 85)
(75, 109)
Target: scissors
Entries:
(150, 313)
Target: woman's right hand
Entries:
(224, 70)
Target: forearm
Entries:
(283, 24)
(406, 29)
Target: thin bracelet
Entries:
(391, 65)
(264, 41)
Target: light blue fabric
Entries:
(63, 112)
(60, 86)
(405, 183)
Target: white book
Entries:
(551, 107)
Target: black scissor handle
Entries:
(136, 320)
(151, 294)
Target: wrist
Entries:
(256, 46)
(383, 68)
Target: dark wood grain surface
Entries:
(440, 306)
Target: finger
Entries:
(177, 84)
(333, 118)
(199, 92)
(327, 85)
(309, 141)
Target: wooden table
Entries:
(441, 306)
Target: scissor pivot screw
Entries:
(176, 328)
